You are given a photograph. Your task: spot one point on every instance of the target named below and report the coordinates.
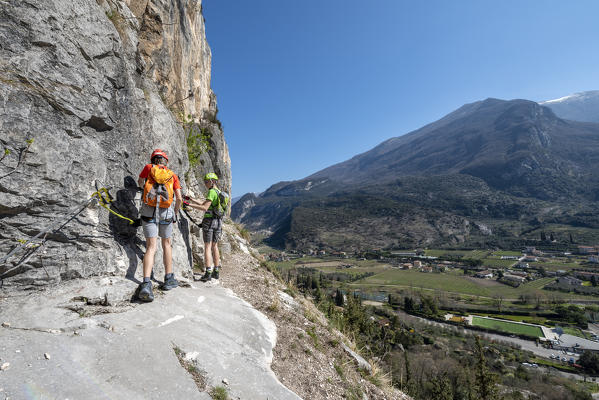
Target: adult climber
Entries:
(158, 214)
(211, 226)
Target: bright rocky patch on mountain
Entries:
(582, 106)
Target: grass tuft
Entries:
(219, 393)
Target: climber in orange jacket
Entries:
(160, 187)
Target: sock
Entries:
(217, 267)
(209, 269)
(167, 276)
(146, 279)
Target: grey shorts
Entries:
(212, 229)
(152, 228)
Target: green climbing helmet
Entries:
(210, 176)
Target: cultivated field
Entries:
(411, 278)
(498, 263)
(313, 264)
(556, 264)
(500, 253)
(509, 327)
(390, 279)
(358, 266)
(468, 254)
(455, 282)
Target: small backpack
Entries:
(159, 187)
(220, 209)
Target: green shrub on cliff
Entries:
(198, 139)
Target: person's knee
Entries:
(150, 245)
(166, 243)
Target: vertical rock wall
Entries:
(87, 90)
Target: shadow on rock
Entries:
(123, 232)
(184, 228)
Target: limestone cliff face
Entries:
(87, 90)
(173, 50)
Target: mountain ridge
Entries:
(521, 151)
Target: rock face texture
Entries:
(87, 90)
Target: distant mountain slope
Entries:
(447, 182)
(515, 145)
(583, 106)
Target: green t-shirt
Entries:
(212, 195)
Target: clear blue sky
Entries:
(302, 85)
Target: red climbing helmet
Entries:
(159, 153)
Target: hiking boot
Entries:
(145, 292)
(169, 283)
(215, 273)
(207, 276)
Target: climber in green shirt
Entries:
(211, 226)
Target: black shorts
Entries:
(212, 229)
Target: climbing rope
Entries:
(184, 209)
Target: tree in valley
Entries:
(428, 306)
(408, 304)
(339, 298)
(539, 299)
(498, 302)
(590, 362)
(441, 388)
(572, 314)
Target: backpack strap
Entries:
(217, 205)
(157, 209)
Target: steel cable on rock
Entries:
(55, 227)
